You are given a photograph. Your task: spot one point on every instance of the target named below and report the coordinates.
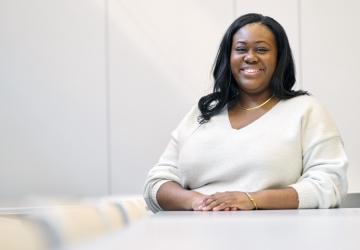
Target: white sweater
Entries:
(294, 144)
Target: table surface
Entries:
(262, 229)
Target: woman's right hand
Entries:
(173, 197)
(197, 200)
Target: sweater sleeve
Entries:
(165, 170)
(323, 183)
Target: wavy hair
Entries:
(225, 86)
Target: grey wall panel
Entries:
(161, 53)
(351, 200)
(52, 98)
(330, 55)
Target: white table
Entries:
(277, 229)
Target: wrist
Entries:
(285, 198)
(195, 199)
(252, 200)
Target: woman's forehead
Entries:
(254, 32)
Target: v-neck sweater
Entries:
(296, 144)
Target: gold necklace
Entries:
(256, 106)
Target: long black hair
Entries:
(225, 86)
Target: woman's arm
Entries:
(323, 182)
(164, 172)
(163, 189)
(286, 198)
(172, 197)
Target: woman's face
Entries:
(253, 58)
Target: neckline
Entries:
(256, 123)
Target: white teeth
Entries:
(252, 70)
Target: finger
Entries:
(226, 209)
(201, 203)
(207, 201)
(223, 205)
(215, 203)
(210, 206)
(204, 200)
(233, 209)
(211, 198)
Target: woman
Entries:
(254, 143)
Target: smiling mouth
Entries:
(251, 70)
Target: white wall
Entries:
(330, 38)
(160, 62)
(90, 90)
(52, 98)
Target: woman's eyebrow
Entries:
(261, 41)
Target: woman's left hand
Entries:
(226, 201)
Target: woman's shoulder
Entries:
(192, 115)
(304, 103)
(303, 99)
(190, 121)
(310, 111)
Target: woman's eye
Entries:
(262, 50)
(240, 49)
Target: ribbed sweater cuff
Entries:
(155, 190)
(305, 192)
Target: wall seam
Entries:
(300, 44)
(234, 9)
(107, 83)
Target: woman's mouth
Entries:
(251, 71)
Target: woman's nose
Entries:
(251, 58)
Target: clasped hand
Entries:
(226, 201)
